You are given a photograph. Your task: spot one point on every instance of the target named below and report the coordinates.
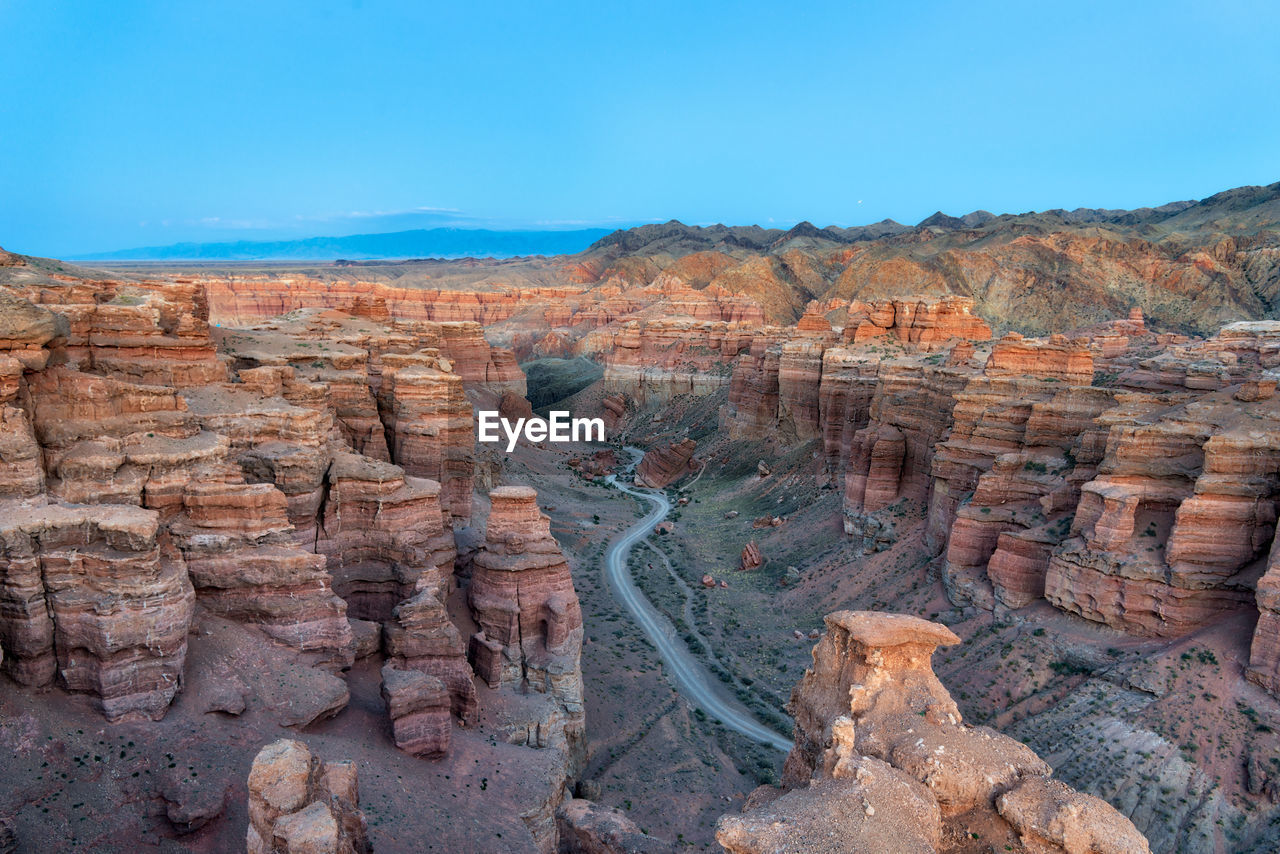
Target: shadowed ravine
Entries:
(692, 679)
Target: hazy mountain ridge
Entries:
(415, 243)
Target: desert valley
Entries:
(953, 537)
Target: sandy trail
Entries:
(693, 680)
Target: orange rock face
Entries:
(799, 384)
(384, 535)
(420, 637)
(915, 398)
(90, 593)
(882, 761)
(240, 300)
(752, 410)
(430, 425)
(1014, 426)
(522, 597)
(751, 557)
(924, 322)
(1264, 652)
(614, 410)
(655, 360)
(664, 465)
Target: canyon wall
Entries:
(302, 476)
(155, 463)
(1122, 475)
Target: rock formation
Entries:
(299, 804)
(384, 534)
(654, 360)
(92, 594)
(664, 465)
(750, 558)
(421, 637)
(882, 761)
(530, 636)
(419, 706)
(431, 432)
(589, 828)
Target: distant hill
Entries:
(418, 243)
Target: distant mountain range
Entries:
(1243, 210)
(1237, 212)
(417, 243)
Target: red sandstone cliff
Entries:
(530, 635)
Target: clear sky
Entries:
(138, 123)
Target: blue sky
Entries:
(138, 123)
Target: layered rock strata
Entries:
(430, 428)
(419, 706)
(384, 535)
(666, 464)
(97, 597)
(530, 636)
(420, 637)
(654, 360)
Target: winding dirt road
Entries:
(692, 678)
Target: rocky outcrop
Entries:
(530, 636)
(383, 534)
(94, 596)
(1005, 466)
(652, 361)
(420, 637)
(666, 464)
(883, 761)
(914, 399)
(613, 407)
(589, 828)
(246, 566)
(274, 441)
(145, 336)
(299, 804)
(750, 558)
(923, 322)
(90, 445)
(430, 426)
(239, 300)
(845, 394)
(1264, 652)
(419, 706)
(752, 409)
(1147, 551)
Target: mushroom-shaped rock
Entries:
(883, 762)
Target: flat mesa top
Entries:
(876, 628)
(514, 493)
